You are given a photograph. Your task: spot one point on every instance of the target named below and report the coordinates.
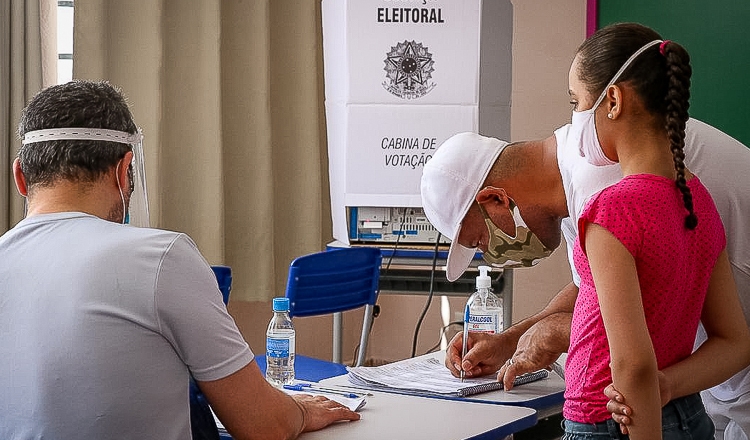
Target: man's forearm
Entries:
(557, 338)
(563, 302)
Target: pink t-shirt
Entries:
(646, 214)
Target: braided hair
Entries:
(660, 76)
(678, 93)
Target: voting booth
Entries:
(401, 76)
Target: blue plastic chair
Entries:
(224, 278)
(334, 281)
(202, 422)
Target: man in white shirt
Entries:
(549, 182)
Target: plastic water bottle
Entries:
(485, 308)
(280, 338)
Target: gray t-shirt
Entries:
(101, 325)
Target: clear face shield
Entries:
(136, 213)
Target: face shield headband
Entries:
(137, 211)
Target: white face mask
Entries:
(583, 126)
(583, 132)
(136, 213)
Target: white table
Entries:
(398, 416)
(546, 395)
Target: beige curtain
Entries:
(28, 62)
(229, 95)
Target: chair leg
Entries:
(337, 336)
(364, 339)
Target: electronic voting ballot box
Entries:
(402, 76)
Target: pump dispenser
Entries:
(485, 308)
(483, 280)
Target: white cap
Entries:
(450, 183)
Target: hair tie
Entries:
(662, 45)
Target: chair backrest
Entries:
(333, 281)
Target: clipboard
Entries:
(492, 386)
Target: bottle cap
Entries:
(483, 280)
(281, 304)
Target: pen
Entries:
(307, 386)
(358, 390)
(465, 341)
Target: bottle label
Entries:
(484, 323)
(277, 348)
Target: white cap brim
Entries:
(459, 258)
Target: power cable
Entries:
(442, 332)
(429, 298)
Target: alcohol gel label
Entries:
(277, 348)
(484, 323)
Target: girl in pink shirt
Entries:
(650, 252)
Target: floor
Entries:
(545, 429)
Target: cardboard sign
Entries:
(401, 76)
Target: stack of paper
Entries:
(427, 375)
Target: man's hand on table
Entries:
(538, 348)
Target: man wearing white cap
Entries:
(451, 184)
(511, 201)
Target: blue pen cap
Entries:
(281, 304)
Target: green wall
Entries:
(716, 34)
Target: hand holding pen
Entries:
(485, 353)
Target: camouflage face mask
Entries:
(523, 250)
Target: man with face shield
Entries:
(104, 323)
(134, 199)
(544, 184)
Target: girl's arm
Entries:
(633, 362)
(727, 349)
(728, 341)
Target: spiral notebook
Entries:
(426, 375)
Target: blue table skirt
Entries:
(307, 368)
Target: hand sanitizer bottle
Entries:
(485, 308)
